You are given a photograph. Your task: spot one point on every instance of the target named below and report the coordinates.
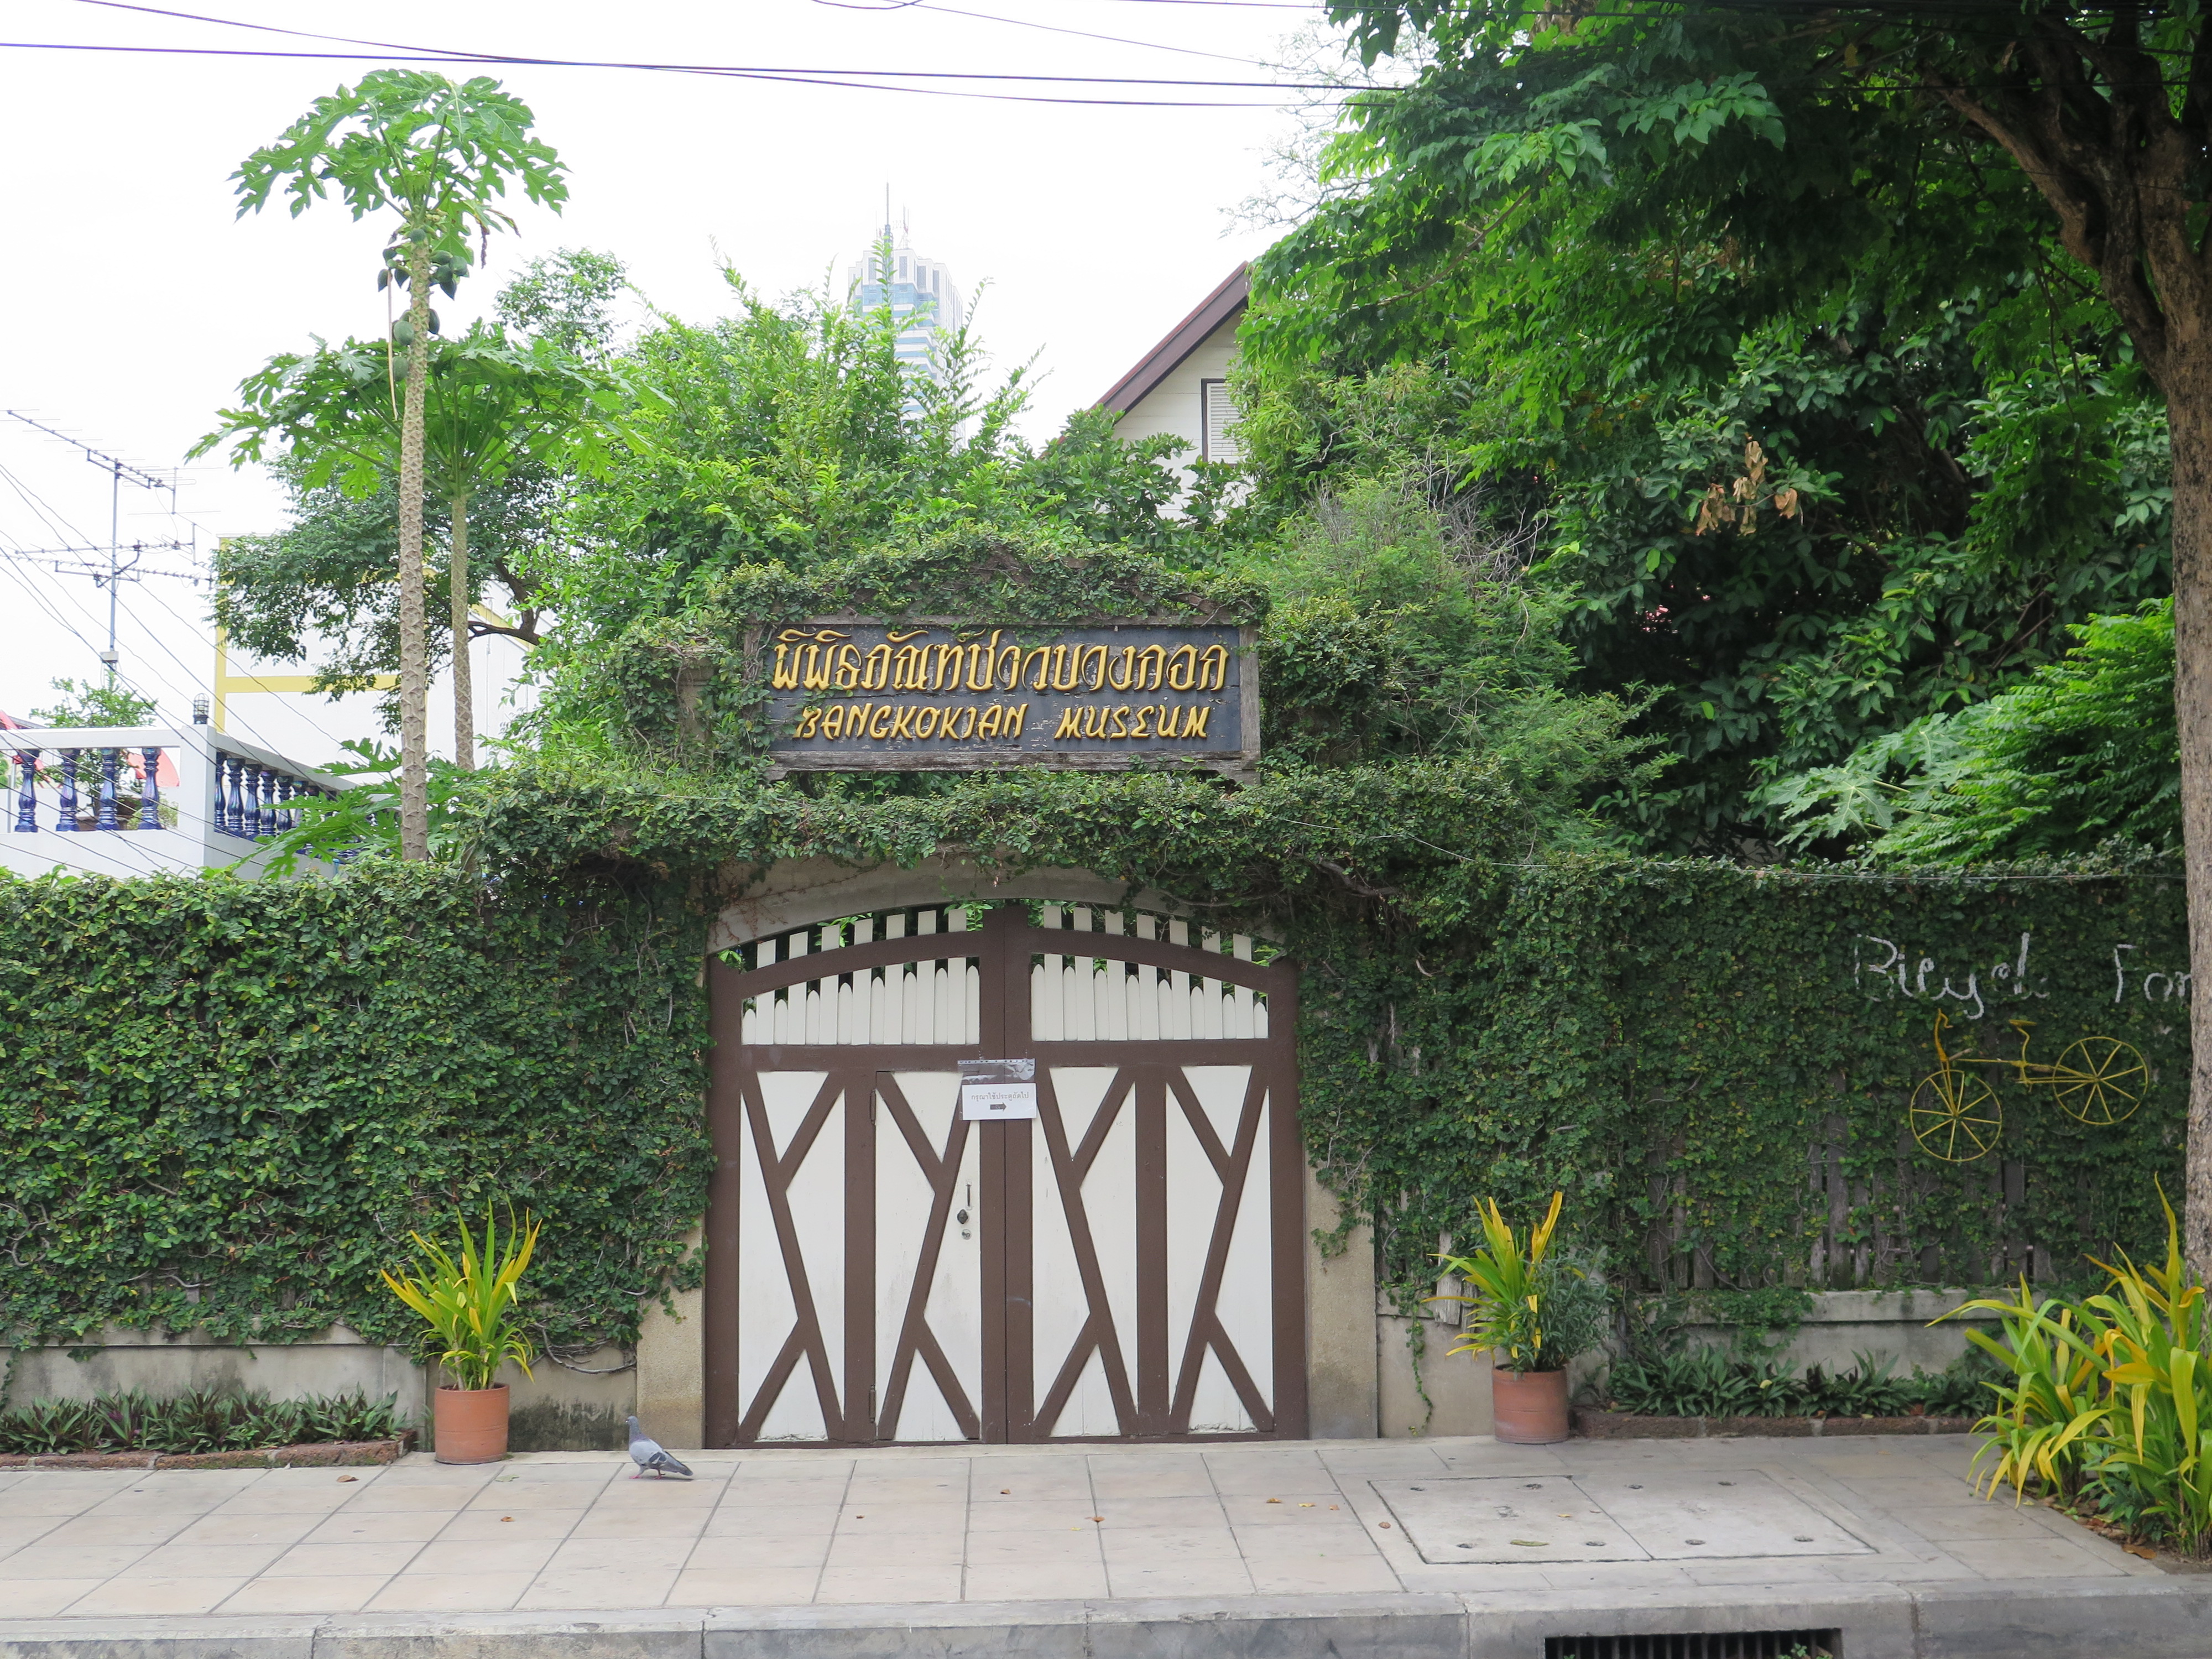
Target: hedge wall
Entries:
(226, 1104)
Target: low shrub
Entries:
(202, 1420)
(1722, 1382)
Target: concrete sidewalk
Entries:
(1447, 1546)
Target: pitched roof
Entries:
(1221, 306)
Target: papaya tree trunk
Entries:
(414, 624)
(2188, 408)
(457, 574)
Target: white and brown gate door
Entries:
(1128, 1265)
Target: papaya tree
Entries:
(439, 156)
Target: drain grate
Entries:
(1701, 1645)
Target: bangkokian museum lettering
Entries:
(955, 695)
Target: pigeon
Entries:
(648, 1454)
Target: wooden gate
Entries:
(1129, 1265)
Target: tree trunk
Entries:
(457, 574)
(414, 625)
(2188, 407)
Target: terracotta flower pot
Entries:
(471, 1423)
(1529, 1410)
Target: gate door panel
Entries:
(1127, 1265)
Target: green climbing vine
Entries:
(224, 1105)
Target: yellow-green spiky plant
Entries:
(470, 1302)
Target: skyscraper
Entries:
(924, 300)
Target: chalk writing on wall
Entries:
(1882, 970)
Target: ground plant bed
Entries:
(1592, 1424)
(325, 1455)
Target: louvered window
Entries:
(1219, 414)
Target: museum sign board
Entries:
(936, 695)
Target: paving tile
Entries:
(1061, 1582)
(454, 1592)
(619, 1554)
(859, 1553)
(1321, 1575)
(1998, 1520)
(439, 1557)
(1292, 1509)
(1026, 1479)
(288, 1492)
(1184, 1578)
(2035, 1558)
(494, 1524)
(599, 1588)
(999, 1549)
(245, 1526)
(808, 1549)
(1903, 1495)
(1272, 1476)
(90, 1531)
(387, 1495)
(181, 1489)
(712, 1587)
(878, 1520)
(1162, 1545)
(379, 1527)
(646, 1493)
(640, 1523)
(16, 1530)
(81, 1561)
(304, 1594)
(206, 1560)
(341, 1560)
(1153, 1512)
(41, 1598)
(120, 1597)
(1110, 1484)
(887, 1583)
(1025, 1515)
(733, 1520)
(1473, 1579)
(1618, 1575)
(62, 1492)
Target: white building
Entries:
(1181, 386)
(924, 300)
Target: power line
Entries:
(1050, 28)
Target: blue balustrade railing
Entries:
(249, 799)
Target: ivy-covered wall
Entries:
(226, 1104)
(1717, 1065)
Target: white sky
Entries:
(136, 301)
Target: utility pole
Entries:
(119, 472)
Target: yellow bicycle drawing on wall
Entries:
(1956, 1115)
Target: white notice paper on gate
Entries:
(985, 1102)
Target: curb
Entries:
(1625, 1426)
(319, 1454)
(2043, 1619)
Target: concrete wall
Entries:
(1894, 1324)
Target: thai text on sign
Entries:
(949, 695)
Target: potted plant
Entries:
(470, 1305)
(1533, 1310)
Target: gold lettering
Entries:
(945, 668)
(1067, 719)
(1094, 721)
(814, 676)
(1095, 656)
(1120, 722)
(833, 720)
(1127, 676)
(1143, 728)
(1152, 664)
(846, 674)
(1170, 720)
(786, 678)
(925, 722)
(1213, 669)
(1040, 658)
(1017, 713)
(1006, 666)
(907, 670)
(1182, 668)
(879, 723)
(993, 718)
(807, 723)
(903, 723)
(965, 732)
(1072, 661)
(984, 659)
(876, 676)
(1194, 725)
